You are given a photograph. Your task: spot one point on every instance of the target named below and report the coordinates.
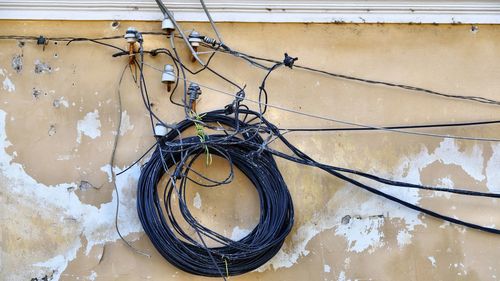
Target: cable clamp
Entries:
(289, 61)
(42, 41)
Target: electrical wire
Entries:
(255, 159)
(239, 140)
(112, 165)
(212, 23)
(232, 257)
(358, 79)
(394, 129)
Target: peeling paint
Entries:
(239, 233)
(92, 276)
(404, 238)
(7, 83)
(326, 268)
(61, 101)
(432, 260)
(90, 126)
(362, 234)
(341, 276)
(17, 63)
(330, 229)
(492, 168)
(42, 67)
(363, 230)
(96, 224)
(126, 125)
(197, 201)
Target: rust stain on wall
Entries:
(58, 118)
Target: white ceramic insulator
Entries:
(160, 130)
(167, 24)
(168, 75)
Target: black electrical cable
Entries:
(249, 153)
(174, 244)
(244, 148)
(253, 59)
(437, 125)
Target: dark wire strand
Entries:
(112, 164)
(363, 80)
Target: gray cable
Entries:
(112, 164)
(169, 14)
(212, 23)
(337, 120)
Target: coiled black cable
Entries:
(163, 228)
(249, 152)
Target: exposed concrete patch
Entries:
(326, 268)
(17, 63)
(107, 169)
(492, 170)
(239, 233)
(404, 238)
(52, 130)
(90, 126)
(42, 67)
(85, 185)
(95, 224)
(432, 260)
(61, 101)
(197, 201)
(36, 93)
(126, 125)
(341, 276)
(92, 276)
(445, 182)
(357, 217)
(7, 83)
(363, 233)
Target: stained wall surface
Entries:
(58, 120)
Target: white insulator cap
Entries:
(161, 130)
(194, 38)
(131, 35)
(167, 24)
(168, 75)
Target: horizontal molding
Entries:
(370, 11)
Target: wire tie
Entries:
(227, 269)
(288, 60)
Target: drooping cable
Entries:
(363, 80)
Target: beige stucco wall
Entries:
(55, 227)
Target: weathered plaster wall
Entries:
(58, 116)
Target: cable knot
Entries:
(231, 108)
(240, 96)
(289, 61)
(153, 52)
(257, 153)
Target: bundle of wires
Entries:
(242, 144)
(174, 158)
(244, 148)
